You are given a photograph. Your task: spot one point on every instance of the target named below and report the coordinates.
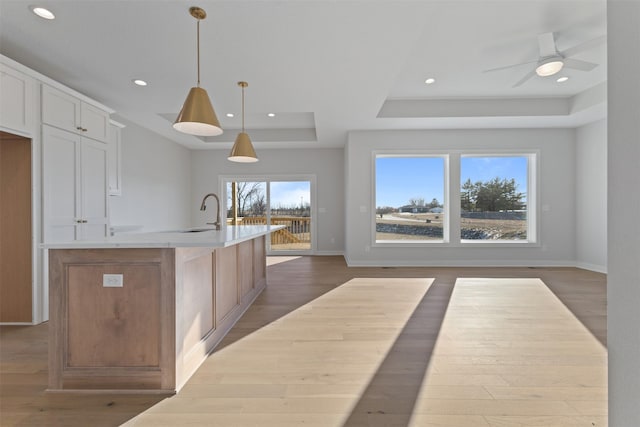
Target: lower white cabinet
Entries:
(75, 175)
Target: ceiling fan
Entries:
(551, 61)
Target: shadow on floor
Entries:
(390, 396)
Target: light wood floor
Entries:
(326, 345)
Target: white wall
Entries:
(326, 164)
(623, 280)
(556, 183)
(156, 182)
(591, 196)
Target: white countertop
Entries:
(193, 237)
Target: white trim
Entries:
(460, 264)
(329, 253)
(591, 267)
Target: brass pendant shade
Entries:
(197, 116)
(242, 150)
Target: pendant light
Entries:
(242, 150)
(197, 116)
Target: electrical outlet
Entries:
(112, 280)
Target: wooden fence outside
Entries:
(296, 234)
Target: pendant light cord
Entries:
(242, 108)
(198, 48)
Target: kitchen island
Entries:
(141, 312)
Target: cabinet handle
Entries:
(78, 221)
(84, 129)
(84, 221)
(79, 127)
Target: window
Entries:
(494, 198)
(414, 198)
(274, 201)
(409, 198)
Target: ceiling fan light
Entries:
(549, 66)
(197, 116)
(242, 150)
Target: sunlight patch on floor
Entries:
(510, 353)
(309, 366)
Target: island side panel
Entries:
(259, 262)
(246, 284)
(226, 282)
(112, 337)
(195, 309)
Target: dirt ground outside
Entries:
(472, 228)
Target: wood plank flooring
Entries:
(326, 345)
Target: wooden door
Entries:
(15, 229)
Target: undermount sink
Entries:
(191, 230)
(196, 230)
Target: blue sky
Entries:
(285, 194)
(399, 179)
(289, 194)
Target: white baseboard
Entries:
(330, 253)
(592, 267)
(458, 263)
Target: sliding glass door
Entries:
(279, 201)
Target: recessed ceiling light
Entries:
(42, 12)
(430, 80)
(140, 82)
(271, 114)
(562, 79)
(229, 114)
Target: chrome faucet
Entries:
(203, 207)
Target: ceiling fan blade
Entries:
(576, 64)
(547, 45)
(508, 66)
(525, 78)
(583, 46)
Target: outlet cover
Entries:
(112, 280)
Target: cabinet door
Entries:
(115, 160)
(16, 100)
(94, 181)
(60, 109)
(61, 184)
(94, 122)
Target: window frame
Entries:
(532, 197)
(445, 202)
(268, 178)
(451, 203)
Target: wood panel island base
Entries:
(144, 318)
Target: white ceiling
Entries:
(324, 67)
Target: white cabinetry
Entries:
(17, 102)
(67, 112)
(75, 187)
(115, 158)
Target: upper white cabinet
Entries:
(67, 112)
(17, 100)
(114, 151)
